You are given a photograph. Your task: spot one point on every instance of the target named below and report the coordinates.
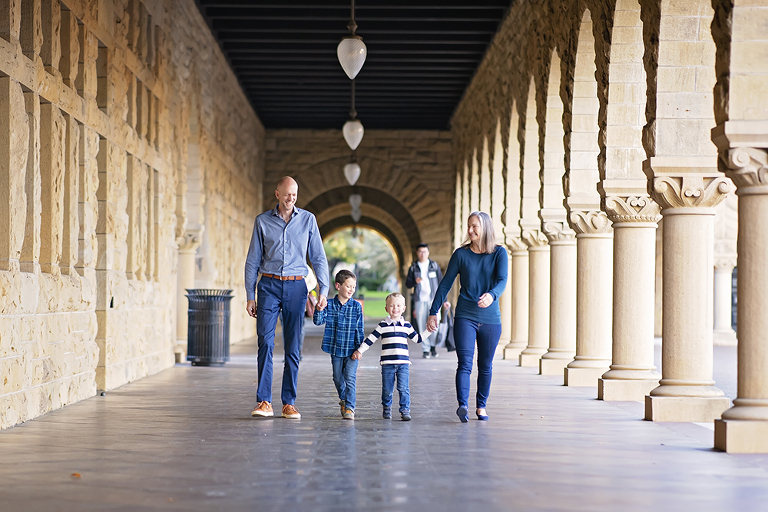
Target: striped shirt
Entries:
(394, 337)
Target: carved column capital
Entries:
(693, 190)
(515, 244)
(634, 208)
(748, 168)
(558, 232)
(591, 222)
(725, 262)
(191, 240)
(533, 238)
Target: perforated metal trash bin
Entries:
(208, 333)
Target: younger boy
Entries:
(394, 332)
(343, 319)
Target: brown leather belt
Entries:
(284, 278)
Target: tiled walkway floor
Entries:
(184, 440)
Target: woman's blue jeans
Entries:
(487, 335)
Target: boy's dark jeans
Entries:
(390, 372)
(344, 377)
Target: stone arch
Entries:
(379, 206)
(474, 184)
(581, 173)
(514, 182)
(485, 178)
(497, 182)
(553, 159)
(531, 184)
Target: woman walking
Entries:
(482, 269)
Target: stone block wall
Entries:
(101, 105)
(407, 183)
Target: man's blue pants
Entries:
(274, 295)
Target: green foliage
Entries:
(373, 258)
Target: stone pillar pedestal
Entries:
(724, 334)
(538, 300)
(744, 427)
(185, 279)
(518, 279)
(594, 278)
(686, 391)
(632, 373)
(562, 300)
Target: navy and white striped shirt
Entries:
(394, 337)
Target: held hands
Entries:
(432, 323)
(356, 355)
(321, 303)
(486, 300)
(250, 307)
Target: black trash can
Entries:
(208, 333)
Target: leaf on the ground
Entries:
(76, 475)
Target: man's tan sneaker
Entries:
(290, 412)
(264, 410)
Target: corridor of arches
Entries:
(619, 146)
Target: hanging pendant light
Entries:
(352, 173)
(355, 200)
(351, 50)
(353, 129)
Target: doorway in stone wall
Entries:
(373, 258)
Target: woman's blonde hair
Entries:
(487, 235)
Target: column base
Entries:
(616, 390)
(685, 408)
(552, 366)
(741, 436)
(582, 376)
(725, 338)
(529, 360)
(513, 353)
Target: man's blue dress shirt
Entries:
(281, 249)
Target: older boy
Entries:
(394, 332)
(343, 319)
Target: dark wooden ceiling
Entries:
(421, 56)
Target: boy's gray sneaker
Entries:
(405, 415)
(349, 414)
(387, 414)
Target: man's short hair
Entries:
(394, 296)
(420, 246)
(344, 274)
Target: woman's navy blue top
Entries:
(478, 274)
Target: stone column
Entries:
(688, 196)
(538, 298)
(185, 279)
(562, 299)
(744, 427)
(518, 279)
(594, 279)
(723, 332)
(505, 305)
(632, 374)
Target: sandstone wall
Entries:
(406, 182)
(102, 105)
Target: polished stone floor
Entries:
(184, 440)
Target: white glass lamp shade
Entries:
(351, 53)
(355, 200)
(353, 133)
(352, 173)
(356, 214)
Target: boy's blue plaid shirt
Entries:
(344, 330)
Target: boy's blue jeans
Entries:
(388, 374)
(344, 375)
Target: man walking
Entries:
(424, 276)
(282, 239)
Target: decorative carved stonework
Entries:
(559, 232)
(590, 222)
(515, 244)
(534, 238)
(748, 167)
(190, 241)
(690, 191)
(632, 209)
(725, 262)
